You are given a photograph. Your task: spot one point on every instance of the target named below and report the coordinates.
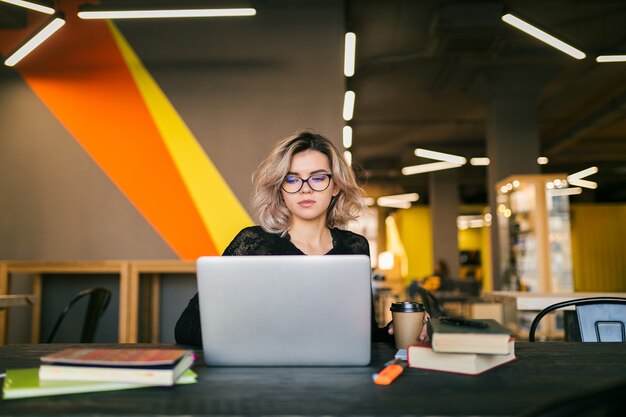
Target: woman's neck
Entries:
(311, 238)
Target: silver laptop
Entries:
(285, 310)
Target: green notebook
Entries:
(25, 383)
(493, 338)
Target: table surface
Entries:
(537, 301)
(543, 371)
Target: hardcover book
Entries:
(450, 338)
(25, 383)
(135, 365)
(424, 357)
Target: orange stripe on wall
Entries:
(82, 78)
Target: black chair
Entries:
(600, 319)
(98, 302)
(432, 305)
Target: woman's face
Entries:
(308, 204)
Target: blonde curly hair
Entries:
(267, 201)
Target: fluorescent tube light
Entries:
(349, 54)
(480, 161)
(347, 155)
(347, 137)
(42, 7)
(543, 36)
(566, 191)
(397, 200)
(369, 201)
(393, 204)
(348, 105)
(611, 58)
(583, 183)
(47, 30)
(440, 156)
(582, 174)
(89, 11)
(434, 166)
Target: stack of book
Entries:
(462, 346)
(80, 370)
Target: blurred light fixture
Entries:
(349, 54)
(46, 7)
(542, 160)
(347, 155)
(348, 105)
(147, 11)
(479, 161)
(470, 221)
(433, 166)
(611, 58)
(440, 156)
(369, 201)
(543, 36)
(577, 178)
(566, 191)
(54, 23)
(347, 137)
(397, 200)
(386, 261)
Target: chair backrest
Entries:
(601, 319)
(432, 305)
(98, 301)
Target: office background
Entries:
(98, 174)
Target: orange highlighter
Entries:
(391, 371)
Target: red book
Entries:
(134, 365)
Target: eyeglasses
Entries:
(318, 182)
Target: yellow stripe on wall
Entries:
(220, 210)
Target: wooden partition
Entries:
(129, 273)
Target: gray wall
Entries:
(240, 84)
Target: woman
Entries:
(302, 192)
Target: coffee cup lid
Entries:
(407, 307)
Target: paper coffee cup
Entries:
(408, 320)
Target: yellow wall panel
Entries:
(599, 247)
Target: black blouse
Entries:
(256, 241)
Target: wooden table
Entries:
(518, 303)
(542, 372)
(17, 300)
(129, 273)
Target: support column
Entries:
(512, 138)
(443, 191)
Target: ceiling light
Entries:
(543, 36)
(349, 54)
(347, 137)
(434, 166)
(348, 105)
(566, 191)
(483, 161)
(397, 200)
(348, 157)
(582, 174)
(99, 11)
(37, 38)
(369, 201)
(583, 183)
(38, 6)
(440, 156)
(542, 160)
(611, 58)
